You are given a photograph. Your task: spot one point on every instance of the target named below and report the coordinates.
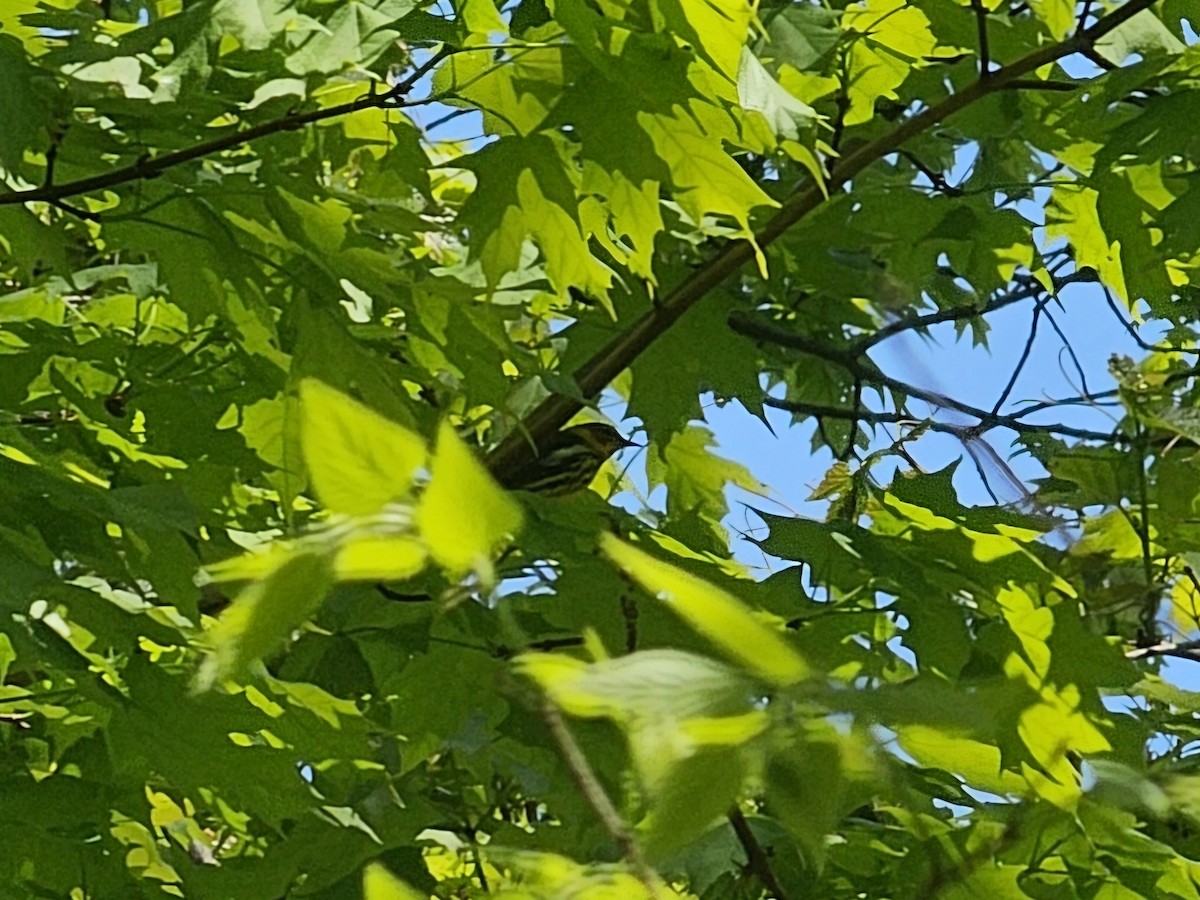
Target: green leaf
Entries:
(897, 39)
(717, 29)
(525, 193)
(464, 516)
(714, 613)
(355, 35)
(696, 482)
(815, 780)
(649, 684)
(358, 460)
(379, 558)
(800, 36)
(695, 794)
(758, 91)
(1144, 34)
(1058, 16)
(1073, 215)
(263, 615)
(380, 884)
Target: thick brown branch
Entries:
(619, 354)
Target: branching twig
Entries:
(953, 314)
(1133, 332)
(1083, 15)
(853, 364)
(962, 432)
(1017, 369)
(937, 179)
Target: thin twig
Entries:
(851, 362)
(1133, 332)
(1150, 608)
(757, 860)
(937, 179)
(1083, 15)
(1066, 342)
(962, 432)
(981, 14)
(951, 314)
(593, 791)
(1016, 372)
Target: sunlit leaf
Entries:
(464, 516)
(379, 558)
(358, 460)
(263, 615)
(380, 884)
(714, 613)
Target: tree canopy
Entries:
(288, 284)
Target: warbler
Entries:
(568, 460)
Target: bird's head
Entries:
(602, 438)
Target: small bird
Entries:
(567, 462)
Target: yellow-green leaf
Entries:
(1058, 16)
(464, 515)
(256, 564)
(359, 461)
(1073, 214)
(717, 615)
(262, 615)
(649, 684)
(376, 558)
(897, 40)
(380, 884)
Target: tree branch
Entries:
(950, 314)
(852, 362)
(962, 432)
(935, 178)
(1020, 366)
(981, 14)
(593, 791)
(757, 860)
(1189, 650)
(151, 167)
(607, 363)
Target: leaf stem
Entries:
(593, 791)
